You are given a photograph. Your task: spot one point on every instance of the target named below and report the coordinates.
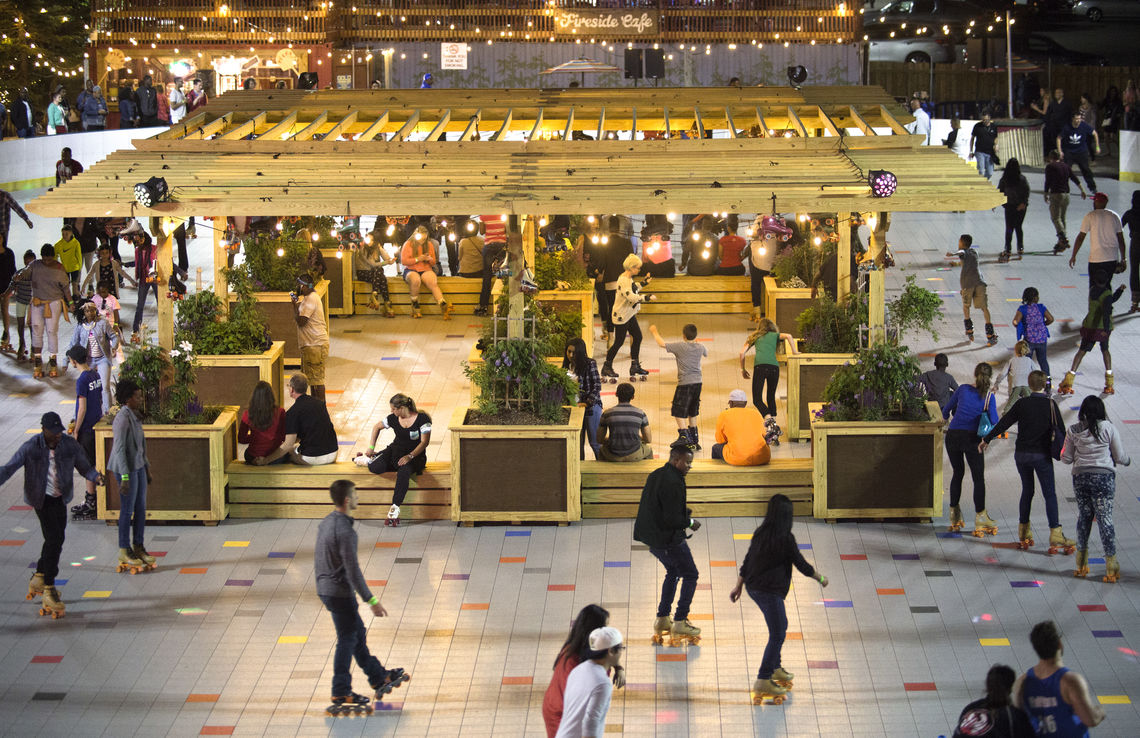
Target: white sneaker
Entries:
(361, 460)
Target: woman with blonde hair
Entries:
(627, 303)
(765, 370)
(419, 256)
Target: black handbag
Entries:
(1057, 434)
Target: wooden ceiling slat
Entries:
(893, 122)
(244, 129)
(536, 129)
(506, 126)
(341, 127)
(601, 124)
(699, 121)
(731, 123)
(568, 130)
(374, 130)
(761, 122)
(309, 131)
(209, 129)
(282, 129)
(440, 127)
(181, 129)
(472, 126)
(795, 123)
(861, 124)
(408, 128)
(826, 121)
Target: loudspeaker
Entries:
(633, 64)
(307, 81)
(654, 63)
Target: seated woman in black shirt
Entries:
(405, 455)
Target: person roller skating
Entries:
(1096, 328)
(1082, 562)
(955, 519)
(684, 633)
(1111, 570)
(37, 366)
(991, 335)
(140, 553)
(1066, 386)
(766, 575)
(1058, 543)
(969, 329)
(53, 368)
(129, 562)
(85, 511)
(971, 283)
(637, 373)
(406, 455)
(983, 525)
(353, 704)
(608, 373)
(968, 404)
(35, 586)
(1024, 536)
(627, 303)
(52, 603)
(662, 629)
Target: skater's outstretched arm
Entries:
(657, 336)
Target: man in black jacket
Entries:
(148, 103)
(662, 519)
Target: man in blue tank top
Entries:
(1057, 700)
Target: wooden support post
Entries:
(843, 283)
(516, 245)
(221, 259)
(164, 267)
(877, 309)
(878, 224)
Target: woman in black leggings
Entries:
(627, 303)
(405, 455)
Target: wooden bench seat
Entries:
(288, 491)
(715, 489)
(461, 292)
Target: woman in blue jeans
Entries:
(129, 464)
(585, 370)
(767, 576)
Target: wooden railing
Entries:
(169, 22)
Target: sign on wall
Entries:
(453, 56)
(606, 22)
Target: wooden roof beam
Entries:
(826, 122)
(795, 122)
(310, 130)
(204, 132)
(440, 127)
(861, 124)
(731, 122)
(408, 128)
(182, 129)
(536, 129)
(245, 129)
(341, 127)
(373, 130)
(632, 125)
(699, 122)
(665, 117)
(601, 123)
(472, 126)
(506, 126)
(568, 131)
(761, 122)
(282, 130)
(892, 122)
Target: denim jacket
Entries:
(107, 339)
(33, 457)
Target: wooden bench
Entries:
(288, 491)
(461, 292)
(715, 489)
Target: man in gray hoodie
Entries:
(338, 578)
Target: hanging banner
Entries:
(453, 56)
(606, 23)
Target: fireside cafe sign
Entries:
(606, 22)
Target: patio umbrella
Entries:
(581, 66)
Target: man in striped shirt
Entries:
(494, 249)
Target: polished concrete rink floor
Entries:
(228, 636)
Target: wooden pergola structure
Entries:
(287, 152)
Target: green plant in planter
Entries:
(514, 375)
(882, 383)
(167, 380)
(553, 329)
(272, 263)
(915, 309)
(830, 327)
(798, 264)
(550, 269)
(323, 226)
(203, 323)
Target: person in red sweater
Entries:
(262, 424)
(731, 246)
(577, 644)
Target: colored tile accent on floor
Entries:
(838, 603)
(217, 730)
(804, 546)
(924, 610)
(793, 635)
(852, 557)
(898, 591)
(457, 577)
(25, 508)
(97, 594)
(919, 686)
(239, 582)
(376, 582)
(281, 554)
(271, 571)
(1092, 608)
(742, 536)
(939, 573)
(1107, 634)
(905, 557)
(475, 606)
(993, 641)
(729, 564)
(193, 570)
(672, 657)
(207, 698)
(387, 544)
(1026, 584)
(617, 564)
(292, 640)
(49, 696)
(236, 544)
(560, 588)
(516, 533)
(13, 542)
(536, 570)
(408, 559)
(517, 681)
(1114, 699)
(823, 664)
(46, 659)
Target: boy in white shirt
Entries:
(588, 688)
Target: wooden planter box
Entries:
(278, 309)
(784, 305)
(808, 375)
(515, 473)
(229, 380)
(339, 274)
(565, 301)
(188, 465)
(475, 357)
(888, 469)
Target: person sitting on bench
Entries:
(624, 430)
(310, 439)
(740, 433)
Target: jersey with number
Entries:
(1051, 715)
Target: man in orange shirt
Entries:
(740, 433)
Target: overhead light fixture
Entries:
(883, 183)
(151, 192)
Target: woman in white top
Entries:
(1093, 447)
(627, 303)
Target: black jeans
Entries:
(1081, 159)
(678, 562)
(776, 617)
(53, 525)
(183, 257)
(1029, 463)
(1134, 267)
(634, 330)
(1013, 220)
(351, 643)
(386, 461)
(762, 374)
(964, 443)
(491, 253)
(605, 306)
(757, 283)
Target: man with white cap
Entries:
(740, 433)
(588, 688)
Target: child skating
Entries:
(973, 287)
(767, 576)
(766, 371)
(128, 462)
(1017, 375)
(687, 396)
(939, 383)
(1095, 328)
(1032, 321)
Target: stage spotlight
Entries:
(883, 183)
(151, 192)
(797, 75)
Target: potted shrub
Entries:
(795, 271)
(233, 351)
(877, 442)
(189, 444)
(526, 420)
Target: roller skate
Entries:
(684, 632)
(393, 518)
(955, 519)
(636, 373)
(1020, 253)
(694, 436)
(607, 338)
(662, 628)
(35, 586)
(128, 562)
(1003, 257)
(783, 678)
(388, 311)
(5, 344)
(52, 603)
(762, 688)
(1135, 308)
(136, 338)
(608, 373)
(353, 704)
(373, 302)
(140, 553)
(21, 354)
(416, 309)
(1061, 245)
(1059, 544)
(446, 309)
(983, 525)
(1111, 570)
(1066, 387)
(991, 336)
(53, 367)
(772, 432)
(1108, 388)
(85, 511)
(393, 679)
(969, 329)
(1024, 536)
(37, 367)
(1082, 570)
